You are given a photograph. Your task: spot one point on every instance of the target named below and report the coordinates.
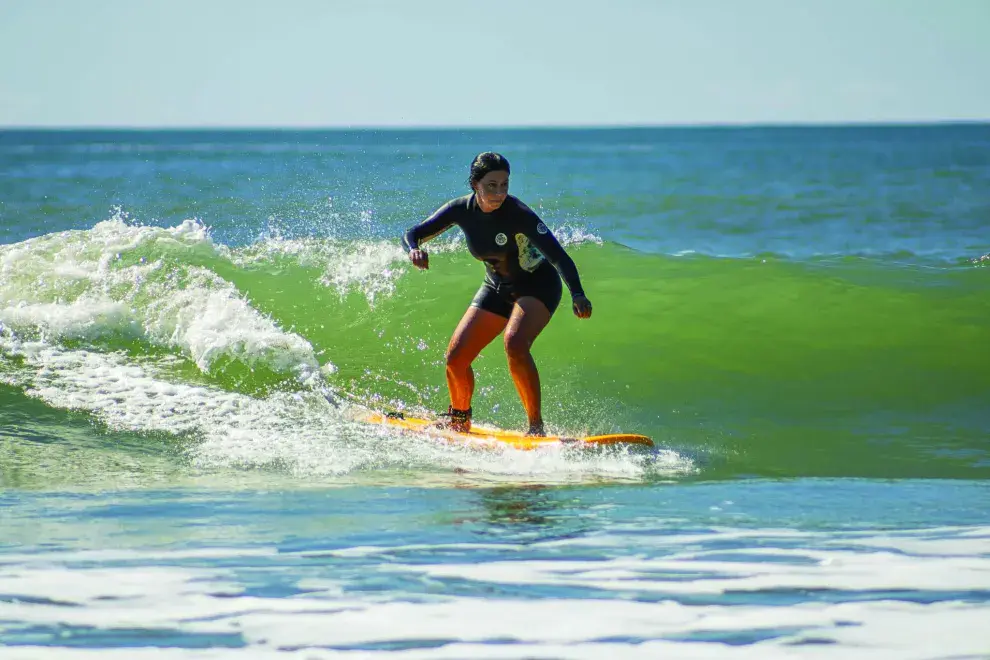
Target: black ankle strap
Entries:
(458, 415)
(536, 430)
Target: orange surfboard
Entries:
(488, 436)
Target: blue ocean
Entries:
(798, 316)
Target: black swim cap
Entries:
(486, 162)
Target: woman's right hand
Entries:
(420, 259)
(581, 306)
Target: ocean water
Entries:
(799, 317)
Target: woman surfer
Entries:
(524, 264)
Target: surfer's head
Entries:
(489, 180)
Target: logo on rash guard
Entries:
(541, 228)
(529, 256)
(501, 239)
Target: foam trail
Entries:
(296, 432)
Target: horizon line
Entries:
(487, 127)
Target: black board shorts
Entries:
(499, 297)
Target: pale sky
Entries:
(340, 63)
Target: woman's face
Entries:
(492, 190)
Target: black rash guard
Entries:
(512, 241)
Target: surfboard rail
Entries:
(482, 435)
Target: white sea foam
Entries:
(80, 319)
(876, 571)
(368, 267)
(371, 266)
(296, 432)
(569, 235)
(102, 282)
(869, 615)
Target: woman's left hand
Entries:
(582, 307)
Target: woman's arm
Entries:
(541, 236)
(441, 220)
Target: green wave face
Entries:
(846, 367)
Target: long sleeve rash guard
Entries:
(512, 241)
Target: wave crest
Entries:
(125, 281)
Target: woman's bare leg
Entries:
(477, 329)
(529, 317)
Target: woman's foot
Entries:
(536, 430)
(457, 420)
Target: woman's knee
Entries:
(457, 358)
(517, 344)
